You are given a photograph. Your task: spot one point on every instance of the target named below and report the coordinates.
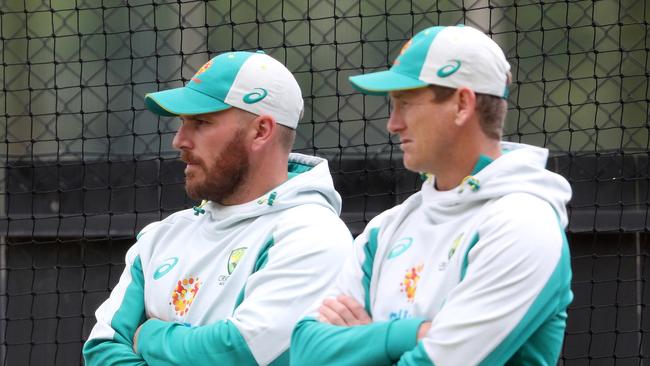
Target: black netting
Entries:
(85, 166)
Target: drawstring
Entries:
(472, 182)
(269, 201)
(425, 176)
(199, 209)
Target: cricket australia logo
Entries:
(234, 258)
(454, 246)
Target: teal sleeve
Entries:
(104, 352)
(381, 343)
(220, 343)
(416, 357)
(118, 350)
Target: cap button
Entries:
(260, 51)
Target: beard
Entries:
(224, 177)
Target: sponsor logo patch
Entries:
(203, 69)
(164, 268)
(184, 294)
(449, 69)
(234, 258)
(255, 96)
(410, 282)
(400, 247)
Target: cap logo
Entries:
(449, 69)
(401, 51)
(255, 96)
(203, 69)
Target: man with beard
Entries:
(472, 269)
(225, 282)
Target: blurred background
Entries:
(84, 166)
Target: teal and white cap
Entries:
(252, 81)
(456, 56)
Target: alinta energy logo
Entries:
(203, 69)
(184, 294)
(401, 52)
(410, 282)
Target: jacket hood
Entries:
(309, 182)
(520, 169)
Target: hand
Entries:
(135, 338)
(344, 310)
(136, 335)
(423, 330)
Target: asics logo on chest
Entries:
(164, 268)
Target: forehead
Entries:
(412, 93)
(209, 116)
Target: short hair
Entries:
(491, 109)
(286, 136)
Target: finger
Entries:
(330, 316)
(357, 310)
(135, 339)
(342, 311)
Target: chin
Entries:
(410, 164)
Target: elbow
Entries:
(299, 346)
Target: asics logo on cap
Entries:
(449, 69)
(255, 96)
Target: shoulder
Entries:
(523, 222)
(179, 217)
(312, 220)
(523, 209)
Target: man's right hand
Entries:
(344, 311)
(423, 330)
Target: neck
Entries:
(264, 175)
(462, 161)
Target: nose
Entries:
(395, 122)
(182, 139)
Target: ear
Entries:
(466, 102)
(263, 129)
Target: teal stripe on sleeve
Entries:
(369, 249)
(131, 313)
(262, 258)
(463, 268)
(125, 321)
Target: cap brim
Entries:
(182, 101)
(380, 83)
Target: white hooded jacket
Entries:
(226, 284)
(487, 263)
